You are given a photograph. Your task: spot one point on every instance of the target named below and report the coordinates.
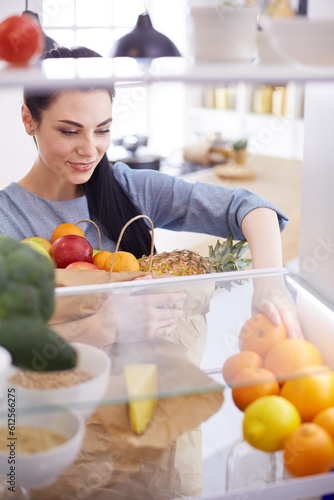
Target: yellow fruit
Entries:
(37, 247)
(142, 387)
(42, 241)
(268, 421)
(124, 261)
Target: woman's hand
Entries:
(143, 317)
(127, 318)
(272, 298)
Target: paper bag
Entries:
(161, 464)
(164, 462)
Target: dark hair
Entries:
(109, 206)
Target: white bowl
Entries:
(5, 364)
(40, 469)
(83, 397)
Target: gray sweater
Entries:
(170, 202)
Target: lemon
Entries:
(268, 421)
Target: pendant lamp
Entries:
(49, 43)
(144, 42)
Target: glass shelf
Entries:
(67, 73)
(190, 356)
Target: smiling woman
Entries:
(70, 149)
(71, 179)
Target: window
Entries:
(96, 24)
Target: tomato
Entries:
(21, 39)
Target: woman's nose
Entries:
(86, 147)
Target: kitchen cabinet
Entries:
(269, 116)
(229, 307)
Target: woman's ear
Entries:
(28, 120)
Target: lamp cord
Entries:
(145, 6)
(26, 5)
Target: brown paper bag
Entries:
(165, 462)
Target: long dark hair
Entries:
(108, 204)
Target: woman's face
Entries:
(74, 134)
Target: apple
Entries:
(38, 239)
(37, 247)
(71, 248)
(82, 265)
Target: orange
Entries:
(100, 257)
(66, 228)
(325, 419)
(288, 355)
(259, 334)
(124, 261)
(308, 450)
(310, 390)
(252, 383)
(236, 362)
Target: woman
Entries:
(71, 179)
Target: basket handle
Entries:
(121, 236)
(97, 229)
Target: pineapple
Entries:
(225, 256)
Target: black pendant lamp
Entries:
(144, 42)
(49, 43)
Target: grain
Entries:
(32, 439)
(50, 380)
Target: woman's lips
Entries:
(82, 167)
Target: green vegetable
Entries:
(34, 346)
(25, 266)
(240, 144)
(27, 301)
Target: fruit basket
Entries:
(188, 395)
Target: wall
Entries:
(316, 263)
(17, 149)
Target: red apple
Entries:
(71, 248)
(82, 265)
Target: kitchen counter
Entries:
(276, 179)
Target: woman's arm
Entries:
(261, 230)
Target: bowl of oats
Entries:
(81, 388)
(39, 446)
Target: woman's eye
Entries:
(69, 132)
(103, 132)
